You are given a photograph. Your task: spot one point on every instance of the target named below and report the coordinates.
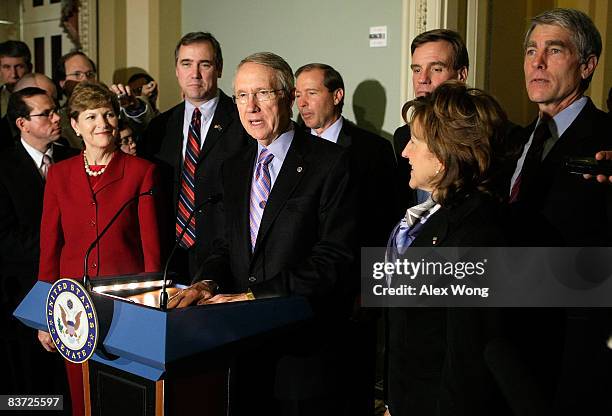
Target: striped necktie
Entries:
(260, 190)
(186, 200)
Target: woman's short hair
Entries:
(89, 96)
(464, 128)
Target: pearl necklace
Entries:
(88, 170)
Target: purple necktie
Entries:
(260, 190)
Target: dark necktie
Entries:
(525, 180)
(186, 200)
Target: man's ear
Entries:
(22, 125)
(462, 74)
(587, 68)
(338, 96)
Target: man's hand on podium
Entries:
(194, 294)
(46, 341)
(224, 299)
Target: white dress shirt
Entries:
(208, 111)
(37, 155)
(332, 132)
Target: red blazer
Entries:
(74, 214)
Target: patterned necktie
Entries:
(260, 190)
(44, 167)
(406, 231)
(532, 162)
(186, 200)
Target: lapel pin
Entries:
(434, 241)
(217, 127)
(299, 169)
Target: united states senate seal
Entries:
(72, 320)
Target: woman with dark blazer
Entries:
(435, 362)
(81, 196)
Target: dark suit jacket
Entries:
(305, 246)
(435, 356)
(7, 133)
(374, 173)
(162, 143)
(27, 367)
(407, 195)
(21, 202)
(564, 209)
(566, 349)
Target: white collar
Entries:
(35, 154)
(332, 132)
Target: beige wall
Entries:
(138, 35)
(9, 11)
(142, 34)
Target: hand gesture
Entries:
(125, 95)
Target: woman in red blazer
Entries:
(81, 196)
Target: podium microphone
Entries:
(163, 295)
(86, 283)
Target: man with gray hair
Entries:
(565, 350)
(289, 231)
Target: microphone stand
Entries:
(86, 279)
(163, 295)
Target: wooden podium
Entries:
(154, 362)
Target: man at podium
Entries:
(290, 224)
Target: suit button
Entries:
(94, 265)
(93, 202)
(252, 279)
(92, 223)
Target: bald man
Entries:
(9, 131)
(35, 79)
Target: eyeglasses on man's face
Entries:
(47, 113)
(260, 96)
(80, 76)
